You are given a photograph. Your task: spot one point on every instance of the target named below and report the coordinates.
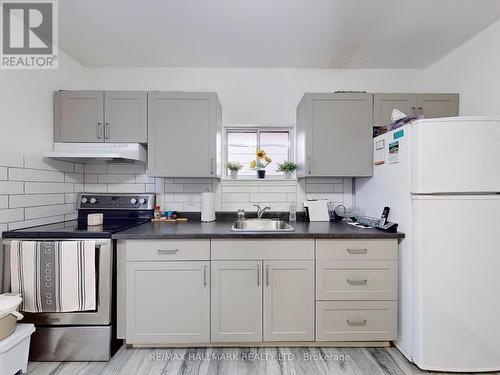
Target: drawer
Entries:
(259, 249)
(356, 320)
(356, 280)
(357, 249)
(150, 250)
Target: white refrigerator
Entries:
(441, 179)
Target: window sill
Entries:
(256, 179)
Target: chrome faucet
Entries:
(260, 211)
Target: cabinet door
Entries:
(168, 302)
(438, 105)
(79, 116)
(182, 134)
(126, 117)
(236, 301)
(384, 104)
(338, 134)
(288, 300)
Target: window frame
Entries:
(258, 130)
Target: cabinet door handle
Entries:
(212, 166)
(162, 252)
(107, 131)
(308, 165)
(98, 130)
(267, 275)
(258, 274)
(205, 276)
(356, 322)
(357, 282)
(357, 251)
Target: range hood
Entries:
(100, 151)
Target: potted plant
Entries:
(287, 167)
(260, 163)
(233, 167)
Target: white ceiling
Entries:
(269, 33)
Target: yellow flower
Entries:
(260, 153)
(253, 164)
(268, 159)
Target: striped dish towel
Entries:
(54, 276)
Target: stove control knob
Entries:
(142, 201)
(84, 200)
(93, 200)
(133, 201)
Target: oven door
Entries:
(104, 274)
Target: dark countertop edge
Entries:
(320, 236)
(51, 236)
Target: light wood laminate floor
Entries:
(233, 361)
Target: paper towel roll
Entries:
(207, 207)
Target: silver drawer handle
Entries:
(258, 274)
(205, 276)
(356, 322)
(173, 251)
(357, 282)
(357, 251)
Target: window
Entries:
(242, 143)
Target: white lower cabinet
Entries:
(239, 289)
(289, 300)
(356, 320)
(168, 302)
(236, 301)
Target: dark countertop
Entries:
(222, 229)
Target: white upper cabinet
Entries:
(414, 105)
(98, 116)
(334, 135)
(184, 134)
(126, 116)
(79, 116)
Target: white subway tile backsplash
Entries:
(95, 168)
(35, 200)
(235, 197)
(151, 188)
(35, 161)
(35, 222)
(11, 159)
(334, 197)
(238, 188)
(48, 187)
(72, 216)
(11, 187)
(70, 198)
(95, 188)
(192, 207)
(125, 178)
(4, 201)
(319, 188)
(11, 214)
(3, 228)
(191, 180)
(278, 189)
(73, 177)
(324, 180)
(126, 168)
(144, 179)
(126, 188)
(198, 188)
(174, 188)
(267, 197)
(90, 178)
(44, 211)
(79, 168)
(3, 173)
(21, 174)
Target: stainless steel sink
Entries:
(261, 225)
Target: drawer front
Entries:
(151, 250)
(271, 249)
(356, 280)
(357, 249)
(356, 320)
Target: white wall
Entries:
(472, 70)
(32, 190)
(255, 96)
